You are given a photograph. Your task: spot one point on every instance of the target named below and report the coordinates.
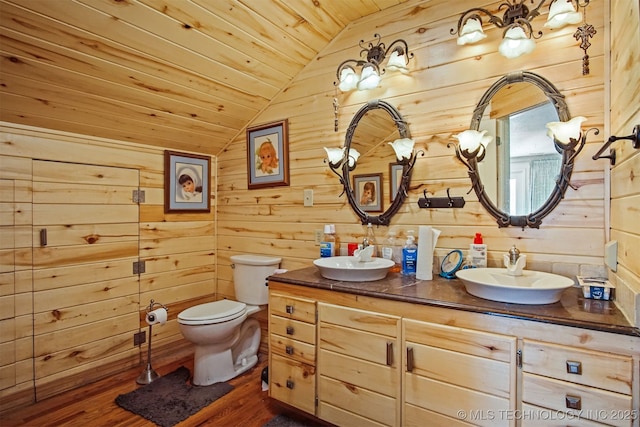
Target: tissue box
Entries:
(596, 288)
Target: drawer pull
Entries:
(409, 359)
(289, 349)
(389, 354)
(290, 384)
(573, 402)
(289, 330)
(289, 309)
(574, 367)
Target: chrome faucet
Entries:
(514, 254)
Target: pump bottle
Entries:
(409, 255)
(478, 252)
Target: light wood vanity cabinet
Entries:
(449, 370)
(369, 361)
(292, 350)
(358, 367)
(590, 384)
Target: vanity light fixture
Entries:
(472, 145)
(634, 138)
(568, 136)
(370, 68)
(518, 35)
(403, 148)
(338, 159)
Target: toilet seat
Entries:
(212, 312)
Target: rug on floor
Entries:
(170, 399)
(283, 420)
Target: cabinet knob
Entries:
(290, 384)
(289, 349)
(289, 330)
(574, 367)
(289, 309)
(573, 402)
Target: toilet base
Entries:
(210, 367)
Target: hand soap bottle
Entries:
(409, 255)
(478, 252)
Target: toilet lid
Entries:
(212, 312)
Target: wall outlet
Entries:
(318, 236)
(139, 338)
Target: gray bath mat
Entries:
(285, 421)
(170, 399)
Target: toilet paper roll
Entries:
(156, 316)
(427, 239)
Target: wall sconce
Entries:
(337, 158)
(518, 36)
(568, 136)
(403, 148)
(634, 138)
(370, 73)
(472, 145)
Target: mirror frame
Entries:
(533, 219)
(407, 164)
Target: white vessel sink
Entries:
(349, 269)
(533, 287)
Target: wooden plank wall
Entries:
(437, 98)
(77, 299)
(625, 186)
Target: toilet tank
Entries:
(250, 274)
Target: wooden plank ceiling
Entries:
(181, 74)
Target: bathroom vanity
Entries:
(400, 351)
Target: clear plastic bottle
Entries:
(409, 255)
(370, 240)
(391, 250)
(336, 240)
(327, 246)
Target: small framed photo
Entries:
(187, 182)
(268, 155)
(368, 192)
(395, 177)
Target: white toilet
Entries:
(226, 339)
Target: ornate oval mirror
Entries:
(369, 181)
(523, 173)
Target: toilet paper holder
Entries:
(149, 374)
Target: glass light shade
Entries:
(369, 78)
(565, 131)
(403, 148)
(348, 79)
(335, 155)
(471, 32)
(516, 43)
(397, 62)
(470, 140)
(561, 13)
(353, 157)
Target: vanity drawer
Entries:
(292, 308)
(294, 349)
(292, 382)
(294, 329)
(592, 368)
(587, 402)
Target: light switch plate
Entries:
(611, 255)
(308, 197)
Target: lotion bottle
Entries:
(409, 255)
(478, 252)
(327, 246)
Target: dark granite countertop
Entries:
(572, 309)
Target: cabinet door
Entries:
(292, 382)
(459, 373)
(358, 367)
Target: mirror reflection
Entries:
(521, 164)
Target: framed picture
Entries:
(395, 174)
(268, 155)
(187, 182)
(368, 192)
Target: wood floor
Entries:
(94, 405)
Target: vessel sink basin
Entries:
(349, 269)
(533, 287)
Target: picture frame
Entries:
(395, 176)
(365, 185)
(268, 155)
(187, 182)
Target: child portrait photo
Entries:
(267, 155)
(187, 182)
(368, 192)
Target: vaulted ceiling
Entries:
(182, 74)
